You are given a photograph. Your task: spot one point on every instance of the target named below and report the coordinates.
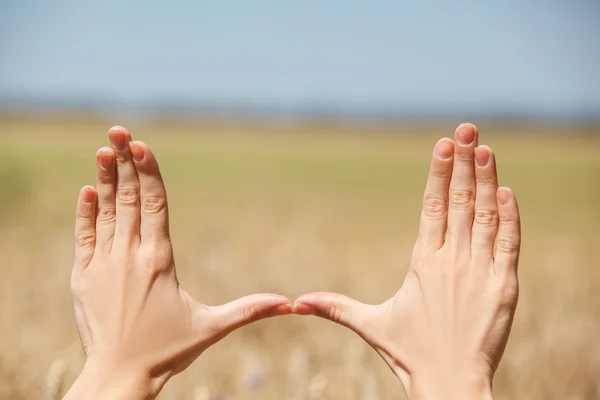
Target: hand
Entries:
(138, 327)
(444, 332)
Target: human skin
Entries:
(137, 326)
(444, 332)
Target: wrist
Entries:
(99, 382)
(450, 387)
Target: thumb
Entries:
(359, 317)
(237, 313)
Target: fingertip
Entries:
(105, 157)
(87, 194)
(483, 154)
(138, 150)
(321, 304)
(334, 307)
(466, 133)
(505, 195)
(302, 309)
(248, 309)
(310, 298)
(282, 309)
(467, 126)
(508, 241)
(275, 299)
(305, 304)
(85, 235)
(118, 128)
(119, 137)
(444, 148)
(105, 151)
(273, 304)
(305, 307)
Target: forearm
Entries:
(95, 384)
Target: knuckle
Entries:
(74, 284)
(486, 179)
(465, 156)
(123, 156)
(334, 313)
(251, 313)
(85, 239)
(157, 258)
(84, 214)
(419, 258)
(508, 245)
(511, 220)
(106, 214)
(463, 198)
(434, 206)
(441, 173)
(509, 294)
(486, 217)
(76, 289)
(105, 179)
(128, 195)
(152, 205)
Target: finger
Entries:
(508, 242)
(106, 179)
(434, 214)
(154, 224)
(85, 227)
(462, 184)
(245, 310)
(359, 317)
(128, 187)
(485, 223)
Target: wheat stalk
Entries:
(316, 387)
(298, 374)
(201, 393)
(54, 380)
(369, 391)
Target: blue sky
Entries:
(542, 56)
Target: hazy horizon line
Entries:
(319, 110)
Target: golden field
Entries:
(292, 208)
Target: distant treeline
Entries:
(306, 110)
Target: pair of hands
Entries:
(442, 334)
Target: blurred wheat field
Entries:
(291, 208)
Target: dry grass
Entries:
(296, 208)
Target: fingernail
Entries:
(283, 309)
(444, 149)
(465, 134)
(301, 308)
(119, 139)
(482, 156)
(105, 157)
(503, 196)
(87, 194)
(137, 150)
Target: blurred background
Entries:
(295, 139)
